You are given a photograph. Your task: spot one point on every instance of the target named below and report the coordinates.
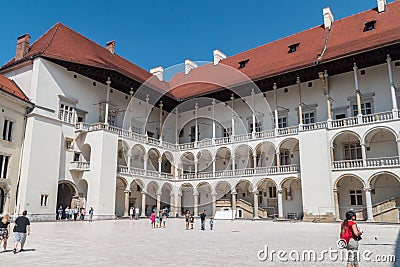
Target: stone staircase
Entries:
(245, 206)
(385, 211)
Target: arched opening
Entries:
(66, 191)
(167, 163)
(346, 146)
(204, 162)
(380, 143)
(223, 159)
(151, 199)
(244, 199)
(187, 160)
(267, 197)
(289, 153)
(166, 190)
(120, 196)
(135, 196)
(385, 196)
(137, 159)
(86, 152)
(187, 198)
(2, 200)
(82, 191)
(243, 157)
(123, 150)
(292, 199)
(350, 190)
(205, 198)
(265, 154)
(154, 156)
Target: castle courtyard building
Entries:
(305, 127)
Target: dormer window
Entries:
(293, 47)
(370, 25)
(243, 63)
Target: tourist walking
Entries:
(191, 221)
(91, 212)
(211, 223)
(136, 213)
(153, 220)
(351, 234)
(66, 212)
(83, 213)
(60, 212)
(70, 211)
(4, 230)
(76, 212)
(187, 219)
(22, 228)
(203, 220)
(164, 217)
(131, 211)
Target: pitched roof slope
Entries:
(63, 43)
(10, 87)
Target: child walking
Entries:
(211, 223)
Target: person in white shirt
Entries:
(136, 213)
(131, 213)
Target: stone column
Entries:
(108, 82)
(161, 121)
(392, 88)
(332, 154)
(233, 204)
(255, 205)
(159, 166)
(280, 203)
(364, 155)
(196, 167)
(128, 163)
(255, 161)
(214, 203)
(233, 118)
(253, 133)
(172, 204)
(368, 202)
(233, 164)
(278, 160)
(213, 167)
(179, 204)
(195, 203)
(143, 214)
(300, 104)
(126, 211)
(145, 159)
(358, 93)
(336, 202)
(196, 128)
(158, 203)
(213, 122)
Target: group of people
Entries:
(74, 213)
(189, 220)
(160, 220)
(21, 230)
(134, 212)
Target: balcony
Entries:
(367, 164)
(293, 130)
(141, 172)
(80, 166)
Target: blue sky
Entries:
(153, 33)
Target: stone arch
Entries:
(373, 129)
(345, 132)
(167, 162)
(243, 156)
(204, 190)
(137, 156)
(292, 198)
(223, 159)
(66, 192)
(289, 152)
(187, 161)
(82, 191)
(265, 154)
(380, 142)
(120, 188)
(335, 184)
(346, 146)
(153, 157)
(136, 187)
(350, 191)
(187, 199)
(166, 192)
(205, 161)
(86, 151)
(123, 150)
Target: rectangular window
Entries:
(44, 200)
(77, 156)
(4, 160)
(226, 132)
(308, 117)
(356, 197)
(193, 133)
(366, 108)
(7, 130)
(66, 113)
(258, 126)
(272, 191)
(352, 151)
(69, 143)
(282, 122)
(285, 157)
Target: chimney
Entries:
(110, 46)
(328, 17)
(22, 46)
(381, 5)
(218, 56)
(189, 65)
(159, 72)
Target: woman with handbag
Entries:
(4, 230)
(350, 233)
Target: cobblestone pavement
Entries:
(231, 243)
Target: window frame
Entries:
(9, 135)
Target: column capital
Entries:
(367, 189)
(388, 58)
(256, 192)
(144, 192)
(355, 68)
(127, 191)
(213, 194)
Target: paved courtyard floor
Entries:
(231, 243)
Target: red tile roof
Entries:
(10, 87)
(346, 37)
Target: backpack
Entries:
(348, 233)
